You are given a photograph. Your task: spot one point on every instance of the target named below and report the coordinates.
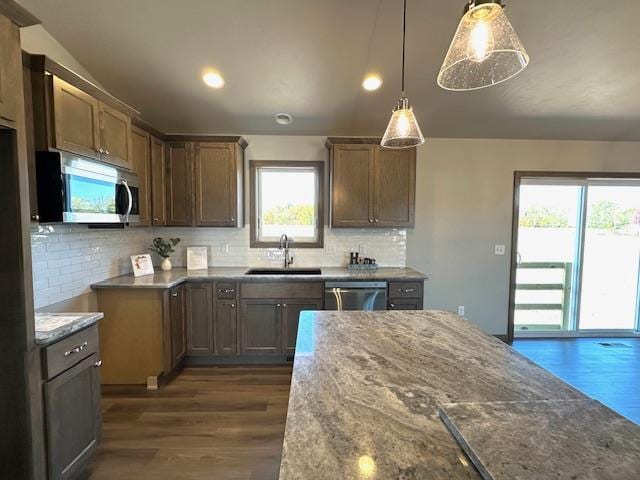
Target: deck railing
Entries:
(564, 286)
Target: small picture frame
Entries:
(142, 265)
(197, 258)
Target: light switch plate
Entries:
(461, 310)
(500, 249)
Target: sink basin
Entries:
(283, 271)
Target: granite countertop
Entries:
(579, 439)
(367, 387)
(51, 327)
(179, 275)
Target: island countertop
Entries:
(367, 385)
(177, 276)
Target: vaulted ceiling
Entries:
(308, 58)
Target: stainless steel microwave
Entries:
(73, 189)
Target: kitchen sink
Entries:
(283, 271)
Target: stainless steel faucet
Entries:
(284, 244)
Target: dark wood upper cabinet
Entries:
(115, 136)
(371, 186)
(158, 182)
(352, 185)
(200, 318)
(9, 69)
(76, 127)
(73, 115)
(179, 184)
(218, 184)
(394, 174)
(141, 160)
(177, 302)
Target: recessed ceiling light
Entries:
(283, 118)
(372, 82)
(213, 79)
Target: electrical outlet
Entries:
(224, 248)
(461, 310)
(500, 249)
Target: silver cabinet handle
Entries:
(233, 305)
(75, 350)
(35, 217)
(155, 220)
(284, 304)
(174, 294)
(107, 152)
(371, 220)
(100, 150)
(407, 290)
(226, 290)
(98, 364)
(392, 305)
(233, 219)
(376, 220)
(278, 305)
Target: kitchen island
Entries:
(367, 388)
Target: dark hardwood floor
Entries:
(609, 373)
(223, 423)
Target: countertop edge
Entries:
(44, 339)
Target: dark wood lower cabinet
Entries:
(200, 318)
(226, 327)
(260, 327)
(177, 306)
(291, 310)
(73, 418)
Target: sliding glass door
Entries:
(577, 256)
(609, 288)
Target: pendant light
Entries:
(485, 50)
(403, 130)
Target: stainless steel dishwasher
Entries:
(355, 295)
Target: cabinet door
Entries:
(261, 327)
(200, 318)
(73, 419)
(352, 185)
(178, 325)
(115, 136)
(405, 304)
(158, 182)
(179, 181)
(225, 327)
(291, 309)
(215, 185)
(141, 160)
(9, 69)
(76, 120)
(395, 187)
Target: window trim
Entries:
(254, 165)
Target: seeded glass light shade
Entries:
(485, 49)
(403, 130)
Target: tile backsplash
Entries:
(67, 259)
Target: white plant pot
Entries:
(165, 264)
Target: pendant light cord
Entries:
(404, 40)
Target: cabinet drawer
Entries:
(226, 290)
(405, 289)
(405, 304)
(64, 354)
(281, 290)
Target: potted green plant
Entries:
(164, 249)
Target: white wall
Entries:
(36, 39)
(464, 207)
(67, 259)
